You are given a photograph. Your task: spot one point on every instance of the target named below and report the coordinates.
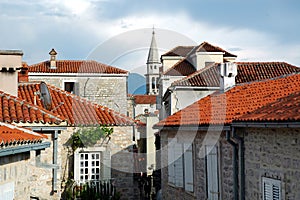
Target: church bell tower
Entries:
(153, 65)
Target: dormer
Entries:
(53, 54)
(206, 54)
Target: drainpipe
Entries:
(54, 170)
(235, 165)
(241, 163)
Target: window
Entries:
(212, 175)
(91, 166)
(180, 168)
(7, 190)
(72, 87)
(153, 82)
(271, 189)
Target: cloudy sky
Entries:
(254, 30)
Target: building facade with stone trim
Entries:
(201, 139)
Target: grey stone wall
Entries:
(200, 187)
(15, 168)
(107, 91)
(272, 153)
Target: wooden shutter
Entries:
(106, 165)
(178, 165)
(171, 173)
(76, 88)
(271, 189)
(212, 172)
(188, 168)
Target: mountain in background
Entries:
(136, 84)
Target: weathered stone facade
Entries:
(273, 153)
(122, 164)
(15, 170)
(109, 91)
(169, 191)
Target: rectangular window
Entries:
(87, 166)
(271, 189)
(180, 168)
(7, 191)
(212, 175)
(72, 87)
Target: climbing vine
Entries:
(89, 136)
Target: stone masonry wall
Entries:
(122, 162)
(41, 179)
(272, 153)
(15, 169)
(107, 91)
(200, 191)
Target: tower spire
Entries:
(153, 52)
(153, 64)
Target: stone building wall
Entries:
(14, 170)
(200, 184)
(273, 153)
(107, 91)
(41, 180)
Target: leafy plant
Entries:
(89, 136)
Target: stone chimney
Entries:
(23, 73)
(52, 54)
(228, 72)
(10, 64)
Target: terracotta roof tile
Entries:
(145, 99)
(76, 110)
(12, 135)
(222, 108)
(14, 109)
(285, 109)
(75, 66)
(247, 72)
(179, 51)
(181, 68)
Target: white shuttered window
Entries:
(180, 168)
(271, 189)
(212, 172)
(188, 168)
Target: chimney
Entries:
(23, 74)
(52, 54)
(228, 72)
(10, 64)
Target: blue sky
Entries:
(254, 30)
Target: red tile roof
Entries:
(16, 110)
(247, 72)
(222, 108)
(179, 51)
(77, 110)
(181, 68)
(12, 135)
(145, 99)
(75, 66)
(285, 109)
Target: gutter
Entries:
(23, 148)
(241, 163)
